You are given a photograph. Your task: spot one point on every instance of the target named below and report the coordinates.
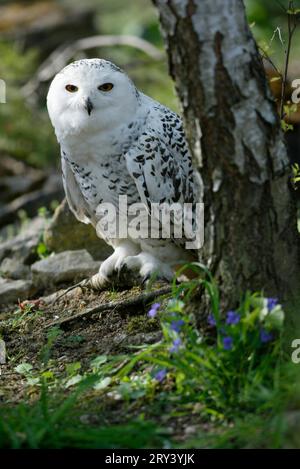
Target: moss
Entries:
(142, 324)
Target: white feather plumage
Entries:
(121, 143)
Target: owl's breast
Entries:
(103, 182)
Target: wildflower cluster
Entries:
(221, 368)
(262, 319)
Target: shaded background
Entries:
(30, 31)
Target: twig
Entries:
(8, 373)
(79, 284)
(281, 6)
(277, 30)
(140, 300)
(291, 30)
(63, 54)
(268, 58)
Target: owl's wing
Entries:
(74, 197)
(160, 161)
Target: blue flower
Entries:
(271, 303)
(177, 325)
(153, 311)
(160, 375)
(211, 320)
(227, 343)
(265, 336)
(232, 318)
(176, 345)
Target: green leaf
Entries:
(33, 381)
(98, 361)
(74, 380)
(42, 250)
(285, 127)
(102, 384)
(275, 318)
(23, 368)
(71, 368)
(175, 306)
(294, 11)
(48, 374)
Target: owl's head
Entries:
(91, 95)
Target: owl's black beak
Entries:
(88, 105)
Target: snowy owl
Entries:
(116, 141)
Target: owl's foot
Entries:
(110, 269)
(147, 267)
(127, 267)
(97, 282)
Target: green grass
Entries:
(53, 422)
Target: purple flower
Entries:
(211, 320)
(160, 375)
(176, 345)
(153, 311)
(232, 318)
(177, 325)
(271, 303)
(227, 343)
(265, 336)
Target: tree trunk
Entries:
(251, 238)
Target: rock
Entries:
(23, 246)
(10, 166)
(139, 339)
(65, 233)
(68, 266)
(13, 186)
(32, 201)
(14, 269)
(13, 290)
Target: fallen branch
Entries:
(63, 54)
(138, 301)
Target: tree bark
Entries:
(251, 237)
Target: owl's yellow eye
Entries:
(72, 88)
(106, 87)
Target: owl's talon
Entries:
(123, 268)
(85, 283)
(97, 282)
(145, 280)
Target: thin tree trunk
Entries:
(251, 238)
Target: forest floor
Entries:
(49, 345)
(108, 332)
(115, 332)
(50, 357)
(96, 370)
